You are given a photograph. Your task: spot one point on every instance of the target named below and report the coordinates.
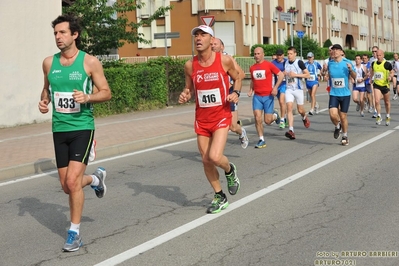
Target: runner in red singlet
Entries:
(206, 77)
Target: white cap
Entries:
(310, 54)
(204, 28)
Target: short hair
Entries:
(74, 25)
(292, 48)
(366, 55)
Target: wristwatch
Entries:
(238, 92)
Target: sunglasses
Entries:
(375, 51)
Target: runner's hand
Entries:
(43, 106)
(185, 96)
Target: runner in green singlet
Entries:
(69, 77)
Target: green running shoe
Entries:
(218, 204)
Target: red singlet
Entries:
(211, 85)
(262, 76)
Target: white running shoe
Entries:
(244, 139)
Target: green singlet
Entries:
(69, 115)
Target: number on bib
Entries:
(209, 98)
(64, 103)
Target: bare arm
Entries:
(45, 98)
(251, 89)
(305, 74)
(352, 73)
(280, 77)
(228, 65)
(101, 91)
(188, 90)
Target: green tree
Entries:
(327, 43)
(308, 45)
(106, 27)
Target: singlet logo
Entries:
(75, 75)
(211, 77)
(199, 78)
(56, 71)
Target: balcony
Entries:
(208, 5)
(336, 25)
(308, 19)
(376, 9)
(363, 31)
(362, 4)
(276, 15)
(388, 14)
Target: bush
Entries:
(134, 87)
(143, 86)
(327, 43)
(269, 49)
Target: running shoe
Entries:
(357, 107)
(275, 111)
(337, 132)
(286, 123)
(261, 144)
(282, 124)
(317, 108)
(395, 97)
(371, 109)
(378, 120)
(218, 204)
(306, 122)
(101, 189)
(345, 141)
(233, 183)
(375, 114)
(290, 134)
(388, 120)
(311, 112)
(92, 155)
(362, 114)
(244, 139)
(73, 242)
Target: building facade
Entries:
(355, 24)
(237, 22)
(29, 38)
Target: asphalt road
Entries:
(302, 202)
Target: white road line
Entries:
(133, 252)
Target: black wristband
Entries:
(238, 92)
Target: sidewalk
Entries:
(28, 149)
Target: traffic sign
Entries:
(300, 34)
(208, 20)
(166, 35)
(286, 16)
